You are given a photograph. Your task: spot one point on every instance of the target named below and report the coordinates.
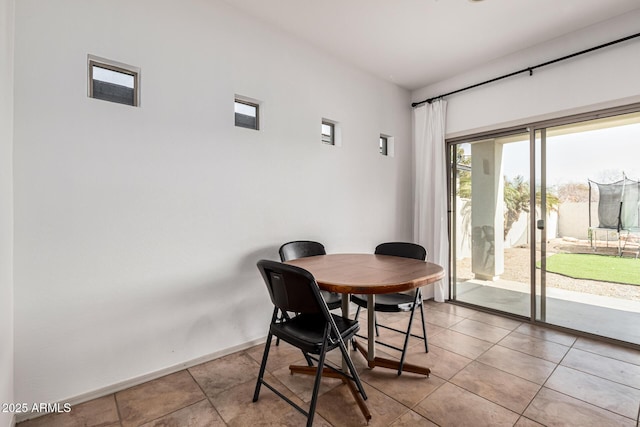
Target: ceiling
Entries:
(414, 43)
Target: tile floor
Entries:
(486, 371)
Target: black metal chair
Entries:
(398, 302)
(315, 330)
(303, 249)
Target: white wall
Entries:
(6, 207)
(603, 78)
(137, 230)
(573, 219)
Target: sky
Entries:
(114, 77)
(600, 155)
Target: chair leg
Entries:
(316, 384)
(278, 338)
(308, 359)
(424, 328)
(263, 366)
(408, 335)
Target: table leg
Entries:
(345, 305)
(345, 314)
(370, 353)
(392, 364)
(371, 327)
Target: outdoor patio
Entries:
(597, 307)
(517, 261)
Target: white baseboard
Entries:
(122, 385)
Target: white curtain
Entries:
(430, 214)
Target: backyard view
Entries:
(587, 220)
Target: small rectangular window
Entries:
(246, 114)
(386, 145)
(328, 133)
(114, 83)
(383, 145)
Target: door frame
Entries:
(538, 300)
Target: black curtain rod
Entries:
(528, 69)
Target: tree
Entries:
(574, 192)
(516, 200)
(464, 175)
(516, 192)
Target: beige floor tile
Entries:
(98, 412)
(480, 330)
(301, 385)
(381, 351)
(497, 386)
(609, 350)
(444, 307)
(396, 338)
(461, 344)
(618, 398)
(412, 419)
(360, 363)
(441, 318)
(596, 384)
(279, 355)
(443, 363)
(339, 408)
(432, 330)
(551, 408)
(546, 350)
(157, 398)
(526, 422)
(604, 367)
(407, 388)
(236, 406)
(416, 328)
(200, 414)
(522, 365)
(381, 316)
(451, 405)
(492, 319)
(546, 334)
(221, 374)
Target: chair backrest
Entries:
(402, 249)
(292, 288)
(300, 249)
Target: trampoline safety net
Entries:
(619, 204)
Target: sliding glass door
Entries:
(490, 205)
(589, 260)
(545, 223)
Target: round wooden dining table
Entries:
(370, 274)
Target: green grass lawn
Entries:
(595, 267)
